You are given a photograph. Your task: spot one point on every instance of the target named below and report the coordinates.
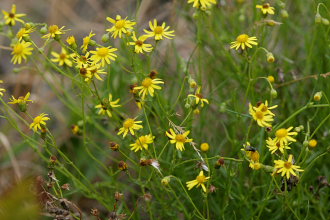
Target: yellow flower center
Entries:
(103, 52)
(201, 179)
(37, 120)
(139, 43)
(281, 133)
(243, 38)
(128, 123)
(142, 140)
(264, 108)
(62, 56)
(147, 82)
(53, 29)
(259, 115)
(180, 138)
(18, 49)
(158, 30)
(287, 165)
(265, 6)
(120, 24)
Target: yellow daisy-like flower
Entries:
(142, 142)
(286, 168)
(71, 40)
(199, 97)
(103, 55)
(107, 105)
(24, 32)
(82, 60)
(20, 100)
(94, 71)
(265, 108)
(202, 3)
(178, 139)
(158, 32)
(130, 125)
(20, 51)
(283, 136)
(199, 181)
(120, 26)
(11, 17)
(86, 41)
(139, 45)
(62, 58)
(39, 122)
(2, 90)
(243, 41)
(275, 146)
(148, 86)
(262, 118)
(53, 31)
(255, 165)
(266, 8)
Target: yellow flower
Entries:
(62, 58)
(286, 167)
(148, 86)
(2, 90)
(199, 181)
(271, 79)
(139, 45)
(274, 146)
(24, 32)
(20, 51)
(263, 107)
(107, 105)
(104, 55)
(262, 118)
(202, 3)
(142, 142)
(178, 139)
(284, 135)
(20, 100)
(82, 60)
(199, 98)
(86, 41)
(39, 122)
(312, 143)
(71, 40)
(11, 17)
(255, 165)
(94, 71)
(120, 26)
(243, 41)
(266, 8)
(53, 31)
(159, 31)
(130, 125)
(205, 147)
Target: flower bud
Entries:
(312, 143)
(122, 165)
(325, 21)
(113, 146)
(318, 96)
(318, 18)
(271, 79)
(273, 93)
(105, 38)
(284, 13)
(219, 163)
(192, 83)
(205, 147)
(166, 180)
(222, 107)
(92, 43)
(270, 57)
(196, 111)
(43, 30)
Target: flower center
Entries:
(201, 179)
(158, 30)
(287, 165)
(62, 56)
(103, 52)
(83, 71)
(142, 140)
(120, 24)
(139, 43)
(180, 138)
(53, 29)
(264, 108)
(18, 49)
(243, 38)
(147, 82)
(281, 133)
(265, 6)
(37, 120)
(259, 115)
(199, 95)
(128, 123)
(11, 15)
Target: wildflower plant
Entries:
(184, 114)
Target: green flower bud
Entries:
(43, 30)
(318, 18)
(273, 93)
(105, 38)
(325, 21)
